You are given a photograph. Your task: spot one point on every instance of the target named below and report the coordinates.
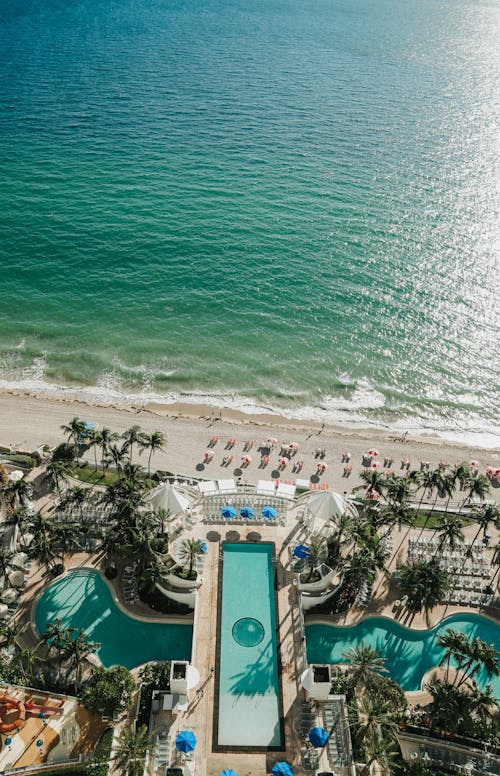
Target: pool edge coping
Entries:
(227, 748)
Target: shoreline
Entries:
(27, 422)
(272, 419)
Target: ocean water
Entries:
(283, 205)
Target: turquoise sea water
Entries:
(248, 688)
(82, 600)
(277, 204)
(408, 653)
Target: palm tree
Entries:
(74, 430)
(450, 533)
(132, 749)
(433, 480)
(483, 702)
(132, 436)
(152, 442)
(453, 642)
(317, 552)
(476, 485)
(105, 438)
(27, 661)
(65, 536)
(12, 634)
(151, 575)
(77, 650)
(115, 455)
(376, 718)
(397, 490)
(57, 635)
(364, 662)
(425, 584)
(381, 757)
(17, 492)
(488, 513)
(75, 497)
(374, 479)
(57, 470)
(189, 552)
(19, 518)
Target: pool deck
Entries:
(199, 714)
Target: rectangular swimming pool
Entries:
(248, 708)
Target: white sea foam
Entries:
(110, 390)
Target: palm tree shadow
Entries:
(257, 678)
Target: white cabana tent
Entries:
(284, 490)
(207, 487)
(16, 475)
(226, 486)
(266, 488)
(324, 508)
(167, 497)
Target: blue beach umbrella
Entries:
(39, 743)
(269, 512)
(228, 772)
(282, 769)
(8, 741)
(203, 546)
(318, 737)
(229, 512)
(247, 512)
(302, 551)
(185, 741)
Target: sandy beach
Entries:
(27, 421)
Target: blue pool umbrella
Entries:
(203, 546)
(185, 741)
(302, 551)
(282, 769)
(269, 512)
(228, 512)
(39, 743)
(228, 772)
(318, 737)
(247, 512)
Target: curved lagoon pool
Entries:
(82, 599)
(408, 653)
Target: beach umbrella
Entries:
(8, 741)
(282, 769)
(247, 459)
(372, 451)
(269, 512)
(9, 595)
(473, 463)
(247, 511)
(228, 512)
(302, 551)
(203, 547)
(318, 737)
(39, 743)
(228, 772)
(16, 475)
(322, 467)
(374, 465)
(293, 446)
(283, 461)
(272, 441)
(185, 741)
(167, 497)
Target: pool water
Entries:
(82, 599)
(409, 653)
(248, 686)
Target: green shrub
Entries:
(109, 690)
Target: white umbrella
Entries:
(307, 679)
(168, 498)
(9, 595)
(16, 578)
(3, 609)
(16, 475)
(325, 507)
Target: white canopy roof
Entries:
(266, 487)
(226, 486)
(285, 490)
(167, 497)
(207, 487)
(325, 507)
